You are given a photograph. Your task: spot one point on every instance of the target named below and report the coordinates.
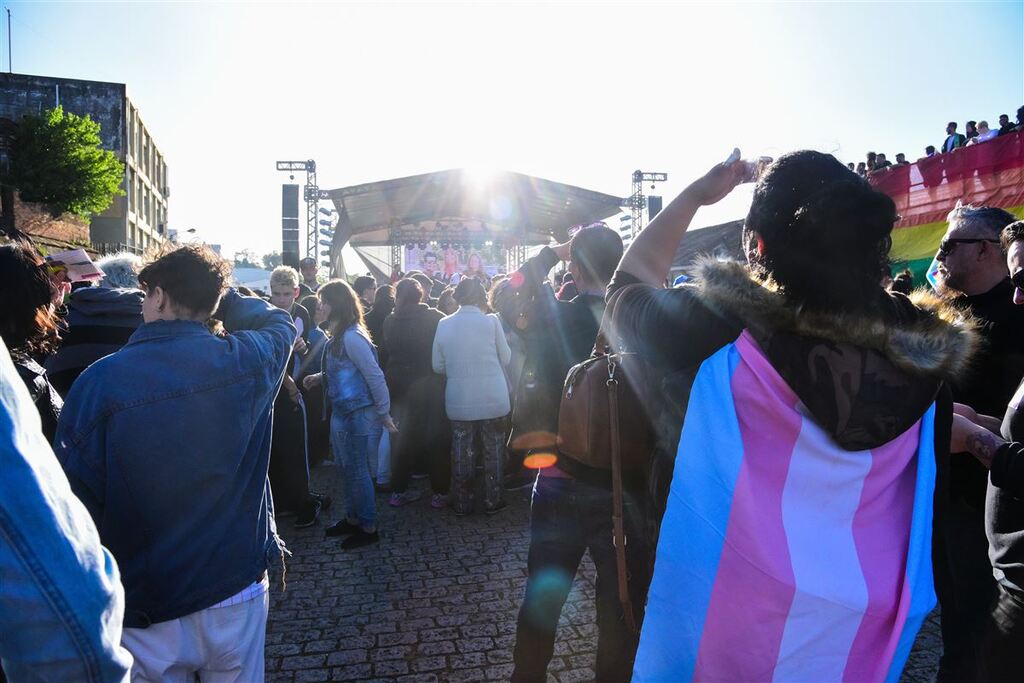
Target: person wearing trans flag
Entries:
(804, 435)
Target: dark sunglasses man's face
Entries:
(948, 244)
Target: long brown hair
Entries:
(28, 321)
(345, 308)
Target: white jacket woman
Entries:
(471, 350)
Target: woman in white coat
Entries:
(471, 350)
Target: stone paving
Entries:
(436, 600)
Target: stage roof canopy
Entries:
(465, 205)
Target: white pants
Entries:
(221, 644)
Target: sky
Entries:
(577, 92)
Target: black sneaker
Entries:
(359, 539)
(496, 509)
(342, 528)
(308, 516)
(325, 501)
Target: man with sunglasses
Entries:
(972, 268)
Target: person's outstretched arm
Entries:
(650, 255)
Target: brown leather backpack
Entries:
(602, 423)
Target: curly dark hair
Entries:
(1014, 232)
(29, 324)
(826, 232)
(192, 275)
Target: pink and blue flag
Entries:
(783, 557)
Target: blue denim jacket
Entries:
(167, 443)
(345, 385)
(61, 599)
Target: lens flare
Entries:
(538, 461)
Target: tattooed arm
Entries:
(1004, 460)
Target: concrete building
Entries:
(138, 219)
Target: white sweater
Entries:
(470, 348)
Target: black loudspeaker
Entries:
(290, 225)
(653, 207)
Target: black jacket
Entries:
(48, 402)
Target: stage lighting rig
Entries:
(636, 202)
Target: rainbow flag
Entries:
(990, 173)
(781, 556)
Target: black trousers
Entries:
(424, 435)
(1001, 638)
(289, 469)
(967, 593)
(568, 518)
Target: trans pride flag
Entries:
(781, 556)
(990, 173)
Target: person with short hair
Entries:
(366, 288)
(997, 445)
(99, 320)
(973, 271)
(470, 350)
(571, 507)
(1005, 125)
(289, 452)
(954, 140)
(901, 159)
(872, 159)
(167, 443)
(30, 325)
(929, 151)
(358, 394)
(984, 134)
(310, 284)
(881, 162)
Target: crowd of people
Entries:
(828, 450)
(975, 132)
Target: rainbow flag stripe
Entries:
(991, 174)
(781, 556)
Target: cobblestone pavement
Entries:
(436, 600)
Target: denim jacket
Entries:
(167, 443)
(347, 389)
(61, 599)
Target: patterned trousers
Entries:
(492, 435)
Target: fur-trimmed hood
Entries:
(866, 379)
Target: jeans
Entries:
(567, 518)
(492, 435)
(351, 438)
(373, 455)
(382, 472)
(221, 644)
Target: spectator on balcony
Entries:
(872, 159)
(1005, 126)
(929, 151)
(971, 130)
(851, 167)
(984, 134)
(901, 159)
(881, 162)
(953, 139)
(862, 169)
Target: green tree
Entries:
(272, 260)
(56, 159)
(247, 258)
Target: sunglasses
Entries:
(1018, 279)
(947, 243)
